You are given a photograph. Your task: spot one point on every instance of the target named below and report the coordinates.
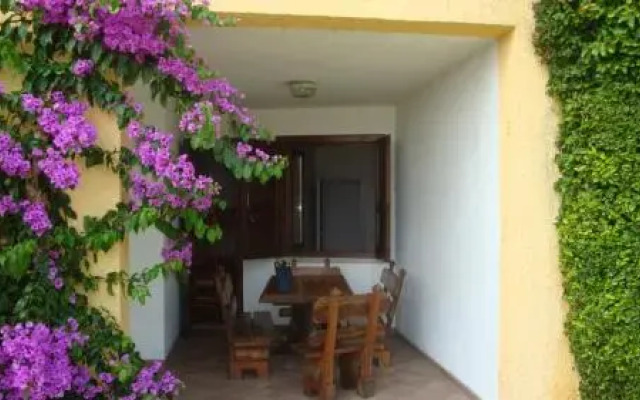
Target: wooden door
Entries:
(260, 220)
(383, 208)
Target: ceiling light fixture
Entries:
(303, 89)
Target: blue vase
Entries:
(284, 279)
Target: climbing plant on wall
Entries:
(592, 50)
(69, 56)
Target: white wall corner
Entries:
(447, 220)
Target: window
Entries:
(335, 200)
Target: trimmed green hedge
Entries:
(592, 50)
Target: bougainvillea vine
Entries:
(73, 56)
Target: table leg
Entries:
(300, 325)
(349, 370)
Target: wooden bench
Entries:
(249, 342)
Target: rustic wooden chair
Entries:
(392, 281)
(249, 342)
(249, 337)
(205, 304)
(224, 290)
(354, 345)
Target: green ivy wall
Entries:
(592, 50)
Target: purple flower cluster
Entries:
(150, 381)
(130, 101)
(35, 363)
(254, 154)
(12, 160)
(243, 150)
(54, 276)
(82, 67)
(146, 29)
(194, 119)
(172, 251)
(132, 29)
(8, 206)
(62, 120)
(34, 360)
(34, 214)
(185, 73)
(224, 96)
(65, 123)
(171, 182)
(62, 173)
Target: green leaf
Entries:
(200, 229)
(237, 172)
(71, 43)
(23, 30)
(7, 5)
(247, 171)
(114, 6)
(259, 167)
(214, 234)
(45, 37)
(15, 260)
(167, 229)
(96, 52)
(124, 375)
(196, 142)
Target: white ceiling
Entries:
(350, 68)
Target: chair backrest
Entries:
(367, 306)
(334, 309)
(392, 281)
(223, 286)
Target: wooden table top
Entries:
(306, 289)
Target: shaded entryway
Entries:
(436, 98)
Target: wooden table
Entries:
(306, 289)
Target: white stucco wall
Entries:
(171, 313)
(448, 223)
(147, 321)
(361, 274)
(329, 120)
(155, 325)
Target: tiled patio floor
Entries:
(200, 361)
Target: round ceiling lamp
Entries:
(303, 89)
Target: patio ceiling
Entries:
(350, 67)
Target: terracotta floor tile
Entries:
(200, 361)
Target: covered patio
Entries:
(422, 112)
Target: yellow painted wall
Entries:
(535, 363)
(380, 12)
(99, 191)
